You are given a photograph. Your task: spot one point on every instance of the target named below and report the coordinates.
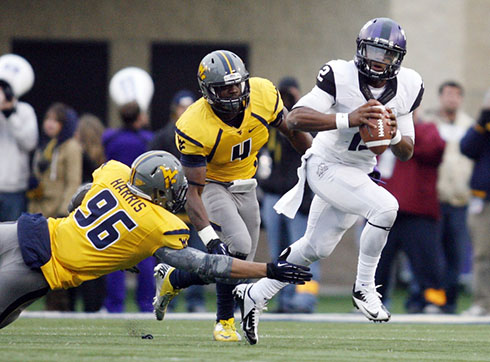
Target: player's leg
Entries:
(351, 190)
(19, 285)
(194, 295)
(304, 298)
(326, 226)
(237, 217)
(385, 272)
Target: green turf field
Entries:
(326, 303)
(32, 339)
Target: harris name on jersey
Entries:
(122, 189)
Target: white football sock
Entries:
(265, 289)
(366, 268)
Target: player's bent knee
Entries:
(384, 219)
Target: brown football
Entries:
(376, 139)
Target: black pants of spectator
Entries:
(417, 237)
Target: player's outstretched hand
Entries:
(288, 272)
(216, 246)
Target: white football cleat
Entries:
(368, 301)
(250, 312)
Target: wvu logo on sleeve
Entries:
(183, 241)
(181, 143)
(169, 176)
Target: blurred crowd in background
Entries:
(440, 241)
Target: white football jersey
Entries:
(340, 88)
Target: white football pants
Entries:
(342, 194)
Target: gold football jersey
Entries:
(111, 230)
(230, 152)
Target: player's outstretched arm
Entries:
(209, 267)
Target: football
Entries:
(377, 139)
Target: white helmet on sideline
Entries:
(132, 84)
(17, 72)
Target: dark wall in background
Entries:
(72, 72)
(174, 67)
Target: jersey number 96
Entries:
(104, 233)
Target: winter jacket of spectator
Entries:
(476, 145)
(413, 182)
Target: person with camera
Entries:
(18, 136)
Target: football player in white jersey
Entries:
(338, 165)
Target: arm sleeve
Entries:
(316, 99)
(473, 143)
(405, 125)
(78, 197)
(207, 266)
(23, 124)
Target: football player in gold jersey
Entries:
(124, 216)
(219, 137)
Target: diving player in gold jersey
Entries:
(124, 216)
(219, 137)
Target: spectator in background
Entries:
(476, 145)
(57, 166)
(413, 183)
(89, 135)
(57, 163)
(452, 185)
(18, 137)
(276, 161)
(164, 139)
(125, 145)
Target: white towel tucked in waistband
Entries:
(290, 202)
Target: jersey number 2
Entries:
(354, 143)
(105, 233)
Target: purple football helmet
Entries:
(381, 46)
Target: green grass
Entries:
(110, 340)
(326, 304)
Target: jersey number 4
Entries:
(241, 150)
(104, 234)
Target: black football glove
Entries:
(216, 246)
(287, 272)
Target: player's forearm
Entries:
(309, 120)
(196, 211)
(403, 150)
(243, 269)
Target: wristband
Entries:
(342, 120)
(397, 138)
(207, 234)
